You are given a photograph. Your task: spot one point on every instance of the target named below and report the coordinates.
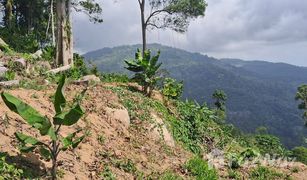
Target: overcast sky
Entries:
(272, 30)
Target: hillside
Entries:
(120, 143)
(122, 134)
(259, 93)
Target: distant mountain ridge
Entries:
(259, 93)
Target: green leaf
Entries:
(77, 142)
(52, 134)
(45, 153)
(26, 149)
(69, 118)
(59, 99)
(69, 141)
(25, 139)
(29, 114)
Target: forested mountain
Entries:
(259, 93)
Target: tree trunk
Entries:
(64, 34)
(52, 23)
(142, 7)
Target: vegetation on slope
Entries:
(259, 93)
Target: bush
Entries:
(269, 144)
(300, 153)
(200, 169)
(49, 53)
(171, 88)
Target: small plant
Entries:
(200, 169)
(107, 174)
(295, 169)
(172, 89)
(63, 117)
(146, 69)
(101, 139)
(127, 165)
(9, 75)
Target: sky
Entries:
(271, 30)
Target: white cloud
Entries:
(274, 30)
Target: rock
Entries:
(3, 70)
(90, 78)
(159, 131)
(121, 115)
(9, 83)
(87, 79)
(20, 63)
(38, 54)
(45, 65)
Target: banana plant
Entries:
(145, 69)
(64, 116)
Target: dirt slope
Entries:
(129, 150)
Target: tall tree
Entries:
(172, 14)
(302, 96)
(64, 45)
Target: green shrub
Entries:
(49, 53)
(145, 69)
(63, 117)
(300, 153)
(264, 173)
(200, 169)
(171, 88)
(79, 69)
(269, 144)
